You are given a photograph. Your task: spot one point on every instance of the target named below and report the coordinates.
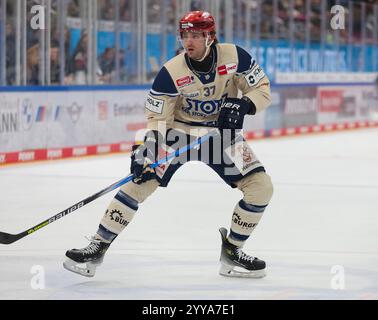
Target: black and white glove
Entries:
(232, 112)
(143, 155)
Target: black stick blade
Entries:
(7, 238)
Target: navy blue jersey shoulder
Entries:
(163, 82)
(245, 60)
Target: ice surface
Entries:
(321, 225)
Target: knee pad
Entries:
(257, 189)
(140, 192)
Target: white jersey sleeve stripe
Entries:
(156, 93)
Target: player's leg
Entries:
(239, 167)
(118, 215)
(121, 211)
(257, 190)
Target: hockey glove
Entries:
(143, 155)
(232, 112)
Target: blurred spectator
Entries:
(32, 61)
(122, 66)
(55, 42)
(73, 8)
(107, 65)
(79, 60)
(76, 63)
(106, 9)
(68, 62)
(125, 10)
(10, 59)
(196, 5)
(153, 13)
(54, 63)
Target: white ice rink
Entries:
(319, 236)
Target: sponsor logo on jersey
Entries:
(191, 94)
(245, 153)
(254, 77)
(244, 225)
(203, 108)
(162, 168)
(154, 105)
(242, 156)
(227, 69)
(185, 81)
(117, 216)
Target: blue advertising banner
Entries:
(273, 56)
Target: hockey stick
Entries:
(7, 238)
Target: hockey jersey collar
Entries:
(205, 77)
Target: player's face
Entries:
(194, 44)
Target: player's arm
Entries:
(159, 110)
(251, 80)
(161, 101)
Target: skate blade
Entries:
(74, 267)
(235, 272)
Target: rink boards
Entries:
(39, 123)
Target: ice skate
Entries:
(235, 263)
(85, 261)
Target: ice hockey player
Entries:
(208, 85)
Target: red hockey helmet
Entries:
(198, 21)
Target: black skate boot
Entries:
(92, 256)
(235, 263)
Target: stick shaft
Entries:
(6, 238)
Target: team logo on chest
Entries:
(199, 108)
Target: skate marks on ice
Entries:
(190, 275)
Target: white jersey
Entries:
(182, 97)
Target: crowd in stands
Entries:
(75, 64)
